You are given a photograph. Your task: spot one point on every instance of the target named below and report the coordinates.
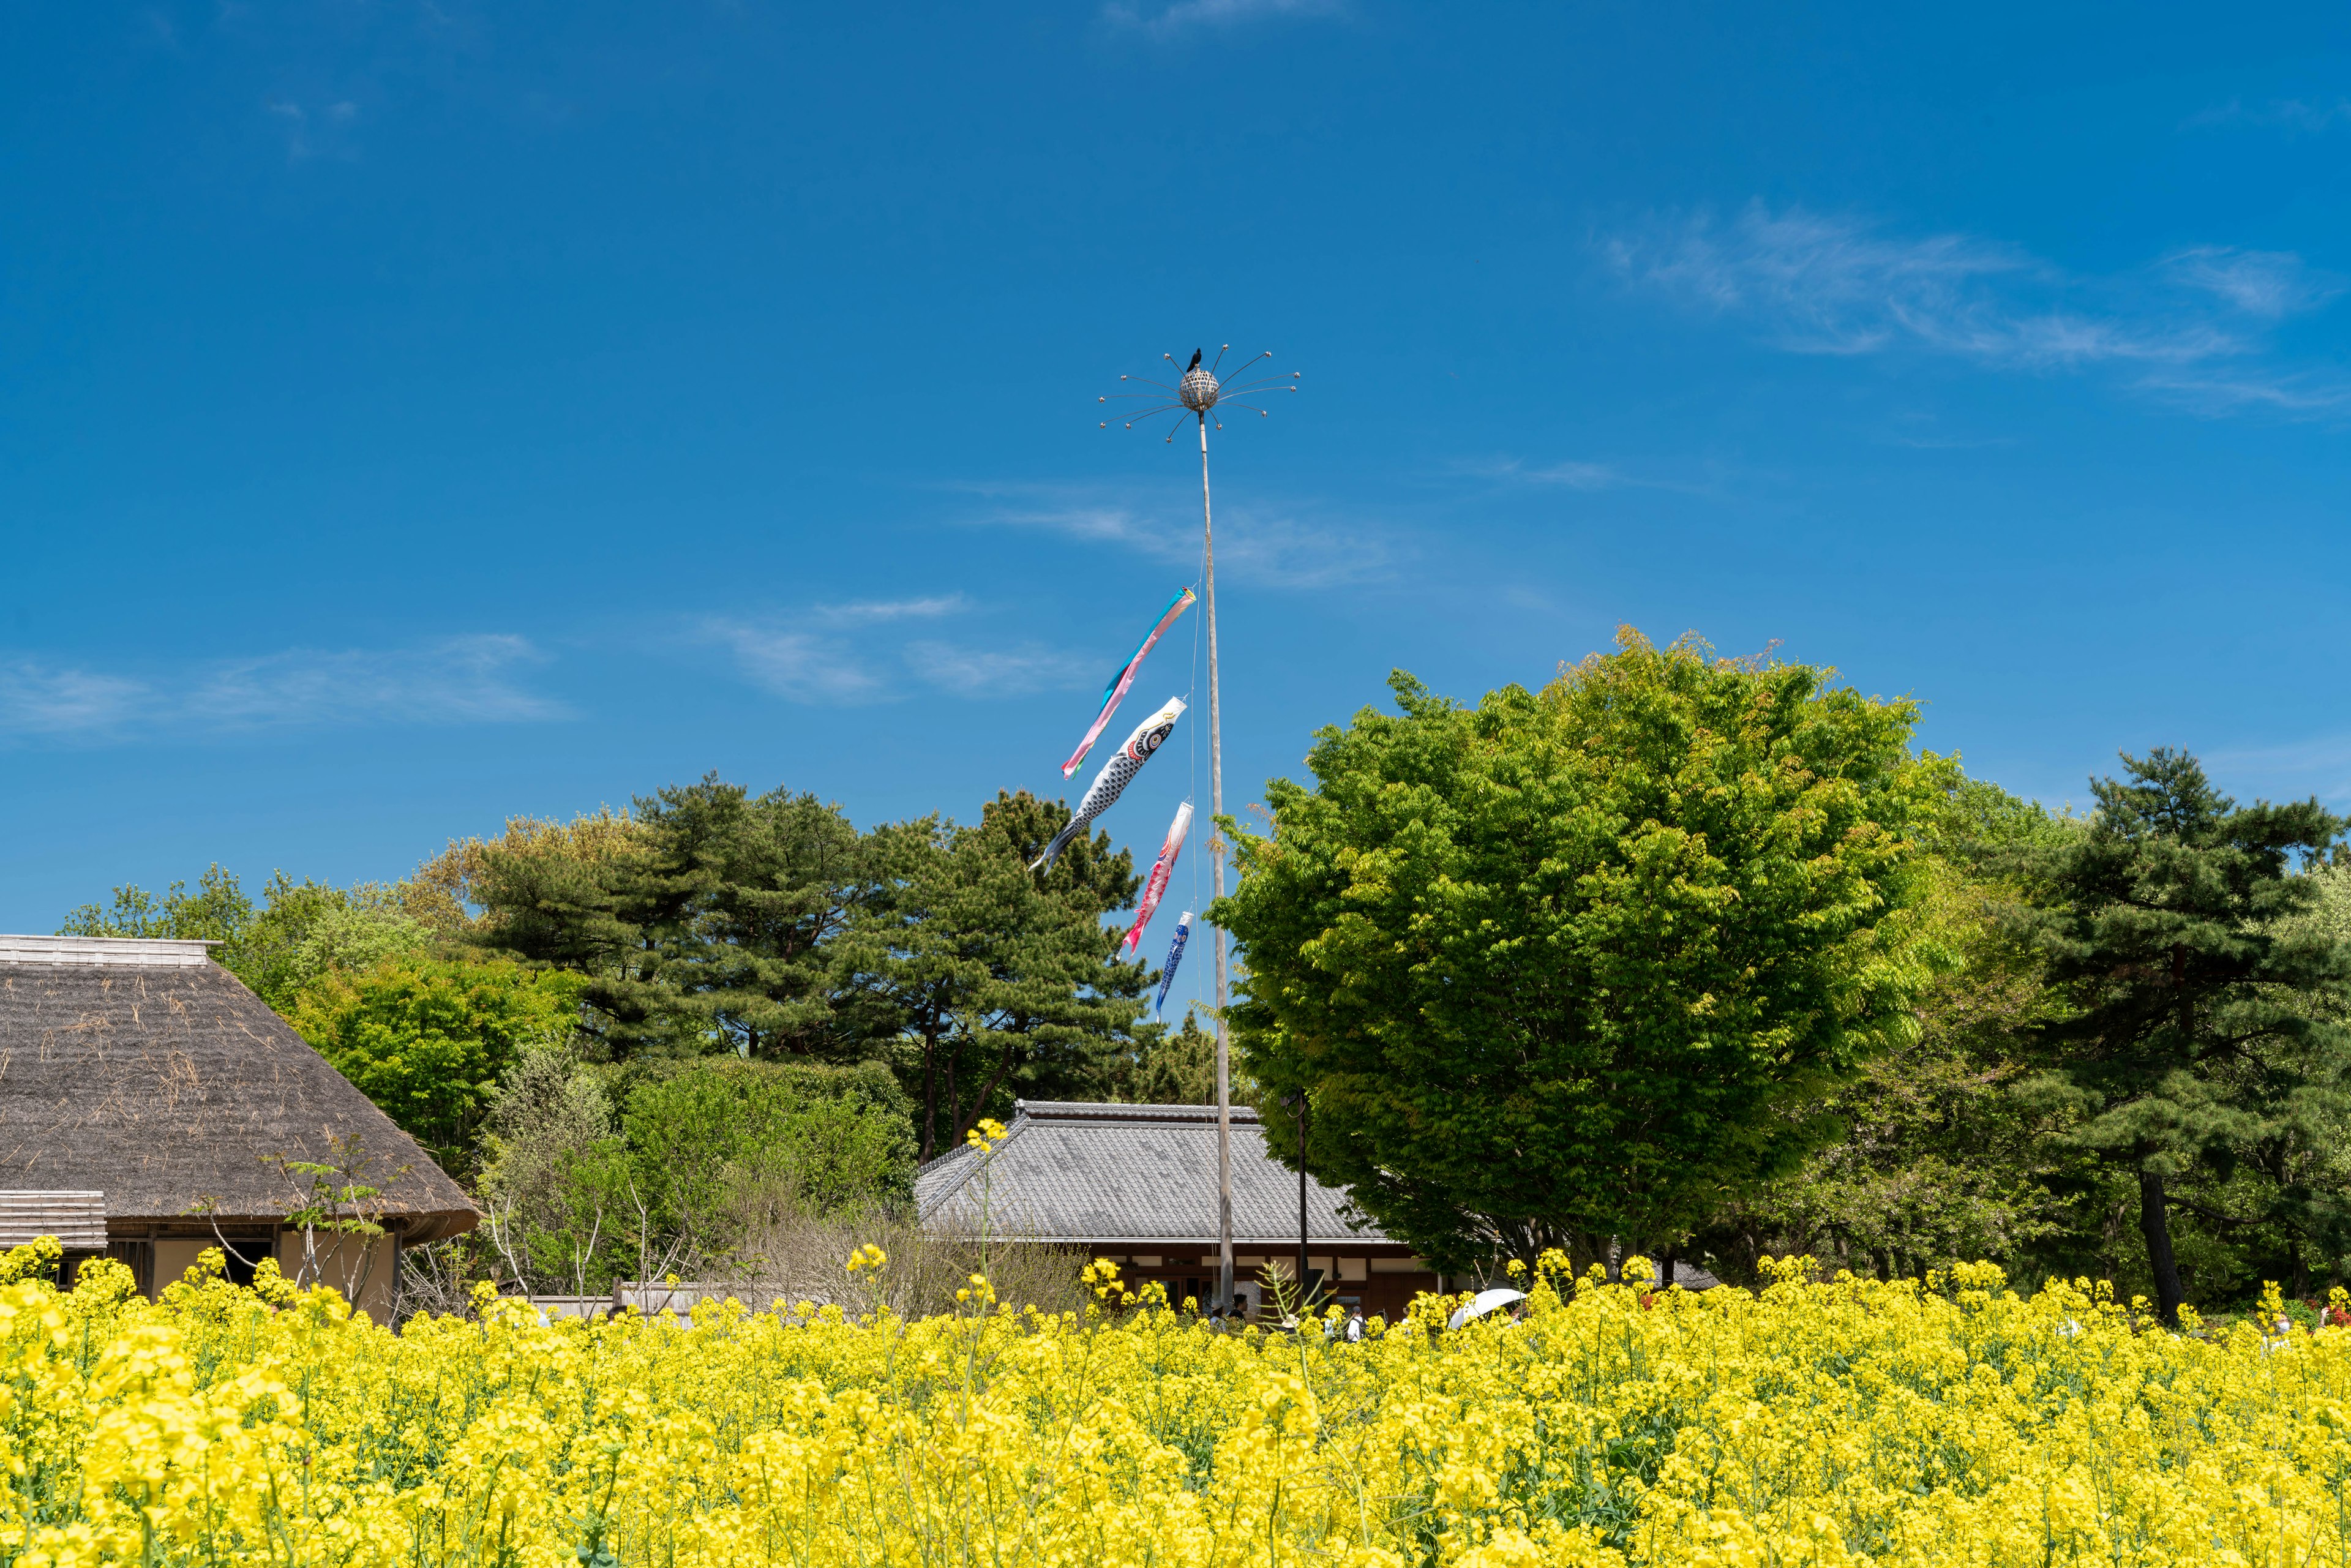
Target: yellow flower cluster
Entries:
(1853, 1422)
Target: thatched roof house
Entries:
(144, 1083)
(1138, 1183)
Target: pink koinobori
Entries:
(1115, 692)
(1156, 886)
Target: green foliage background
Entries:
(1553, 970)
(1678, 953)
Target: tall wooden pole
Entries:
(1216, 853)
(1302, 1297)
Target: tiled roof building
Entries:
(1138, 1183)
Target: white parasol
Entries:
(1483, 1302)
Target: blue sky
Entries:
(412, 414)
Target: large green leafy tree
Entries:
(702, 1146)
(218, 911)
(750, 894)
(1003, 981)
(1556, 966)
(1936, 1160)
(297, 932)
(569, 896)
(2206, 1029)
(429, 1039)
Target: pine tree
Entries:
(1005, 981)
(1178, 1067)
(2201, 1032)
(709, 924)
(770, 881)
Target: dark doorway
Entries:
(243, 1254)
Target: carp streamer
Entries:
(1115, 692)
(1117, 774)
(1156, 886)
(1175, 956)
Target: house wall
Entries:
(363, 1268)
(1382, 1282)
(363, 1271)
(175, 1255)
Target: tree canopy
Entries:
(1004, 981)
(430, 1040)
(1550, 968)
(1677, 951)
(2207, 1026)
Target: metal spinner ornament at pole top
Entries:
(1198, 392)
(1196, 395)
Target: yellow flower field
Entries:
(1851, 1422)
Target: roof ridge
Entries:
(1121, 1111)
(144, 952)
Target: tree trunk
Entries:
(2155, 1224)
(979, 1101)
(955, 1106)
(930, 1096)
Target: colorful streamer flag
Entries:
(1115, 692)
(1155, 885)
(1124, 765)
(1175, 956)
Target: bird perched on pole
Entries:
(1195, 361)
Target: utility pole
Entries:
(1300, 1098)
(1216, 854)
(1196, 395)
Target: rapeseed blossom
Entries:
(1952, 1421)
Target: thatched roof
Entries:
(142, 1069)
(1073, 1171)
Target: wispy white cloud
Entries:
(1264, 547)
(866, 611)
(2312, 115)
(1825, 285)
(1946, 442)
(316, 130)
(2270, 284)
(801, 666)
(1001, 671)
(2319, 765)
(849, 654)
(38, 699)
(462, 680)
(1570, 476)
(2306, 394)
(1575, 476)
(1177, 17)
(823, 655)
(2190, 326)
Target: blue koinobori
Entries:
(1175, 956)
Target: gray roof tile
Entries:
(1071, 1172)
